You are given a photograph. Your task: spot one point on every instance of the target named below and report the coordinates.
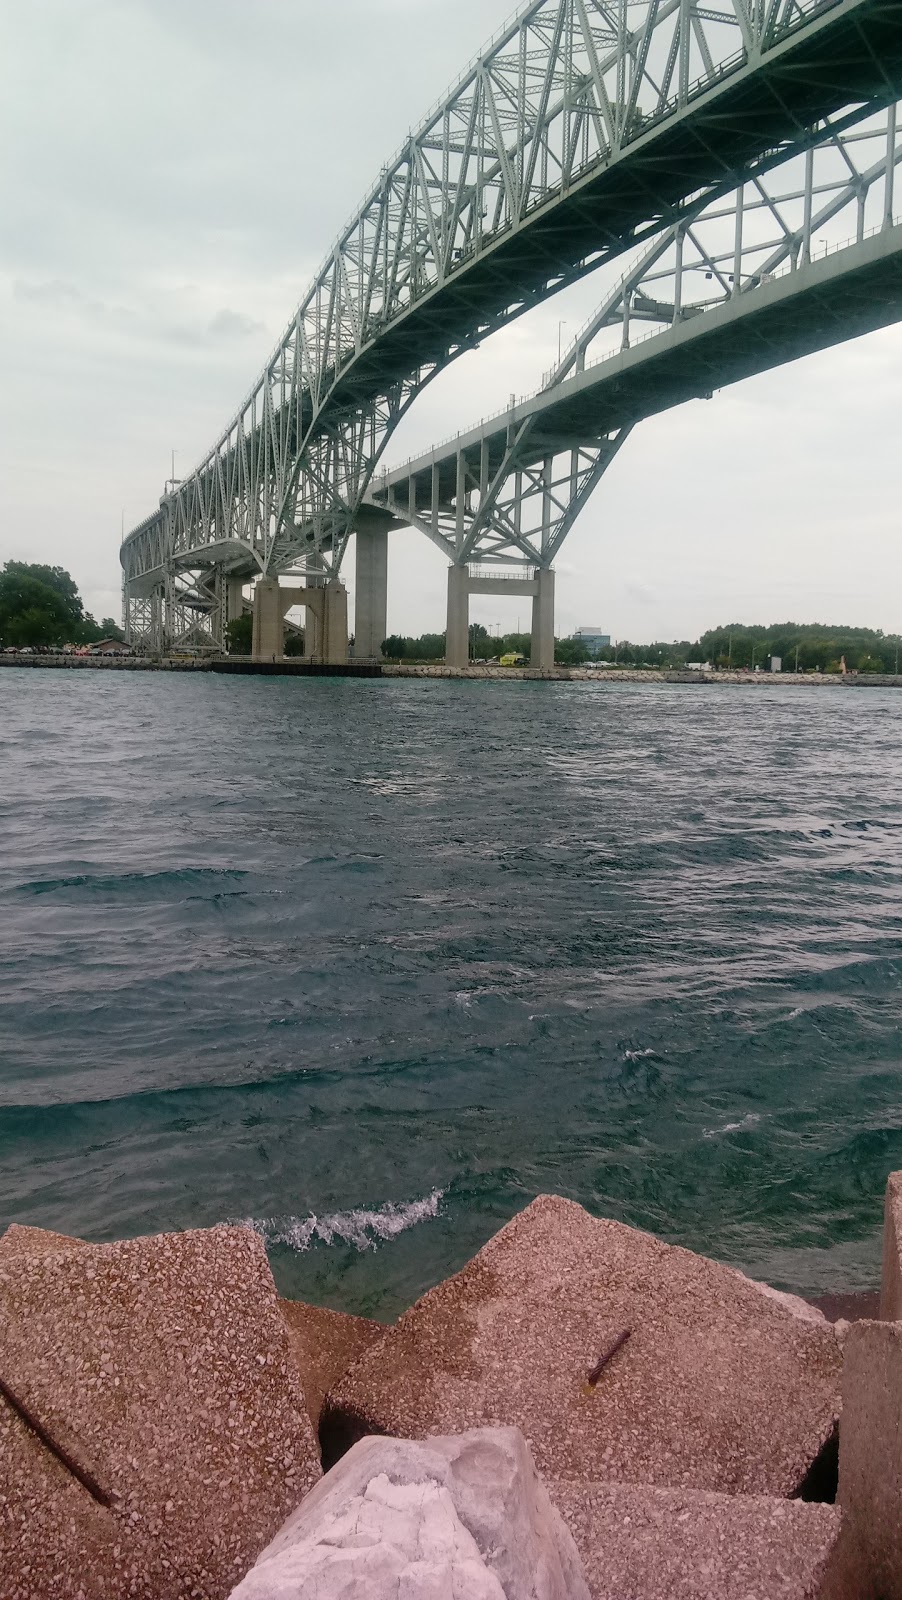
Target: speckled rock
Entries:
(675, 1544)
(870, 1460)
(163, 1366)
(19, 1241)
(325, 1343)
(463, 1518)
(719, 1386)
(891, 1286)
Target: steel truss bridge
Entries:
(742, 155)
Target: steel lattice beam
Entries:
(585, 128)
(737, 286)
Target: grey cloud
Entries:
(228, 324)
(640, 593)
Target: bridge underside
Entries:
(846, 55)
(853, 292)
(543, 164)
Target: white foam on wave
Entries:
(637, 1055)
(751, 1120)
(362, 1228)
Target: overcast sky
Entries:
(173, 173)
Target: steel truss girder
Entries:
(473, 497)
(582, 127)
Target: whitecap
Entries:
(637, 1055)
(361, 1227)
(750, 1120)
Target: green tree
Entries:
(803, 645)
(33, 613)
(240, 635)
(394, 647)
(570, 652)
(55, 578)
(41, 606)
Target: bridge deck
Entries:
(839, 53)
(851, 51)
(850, 292)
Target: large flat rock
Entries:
(642, 1543)
(462, 1518)
(163, 1367)
(325, 1344)
(719, 1386)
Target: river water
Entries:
(374, 962)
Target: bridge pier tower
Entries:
(269, 621)
(332, 622)
(371, 602)
(542, 651)
(327, 621)
(461, 584)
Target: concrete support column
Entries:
(457, 638)
(269, 629)
(234, 599)
(542, 650)
(371, 605)
(334, 643)
(312, 632)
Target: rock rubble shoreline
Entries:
(581, 1413)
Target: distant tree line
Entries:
(806, 646)
(41, 608)
(484, 646)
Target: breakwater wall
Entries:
(244, 666)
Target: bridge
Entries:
(722, 149)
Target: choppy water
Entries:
(375, 962)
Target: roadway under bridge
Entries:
(744, 158)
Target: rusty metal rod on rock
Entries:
(603, 1360)
(84, 1477)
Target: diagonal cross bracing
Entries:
(583, 129)
(741, 285)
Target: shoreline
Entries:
(244, 666)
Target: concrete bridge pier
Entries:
(541, 653)
(326, 632)
(269, 621)
(457, 637)
(234, 599)
(371, 603)
(331, 612)
(541, 589)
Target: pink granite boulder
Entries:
(718, 1386)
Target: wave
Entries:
(112, 883)
(362, 1228)
(750, 1120)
